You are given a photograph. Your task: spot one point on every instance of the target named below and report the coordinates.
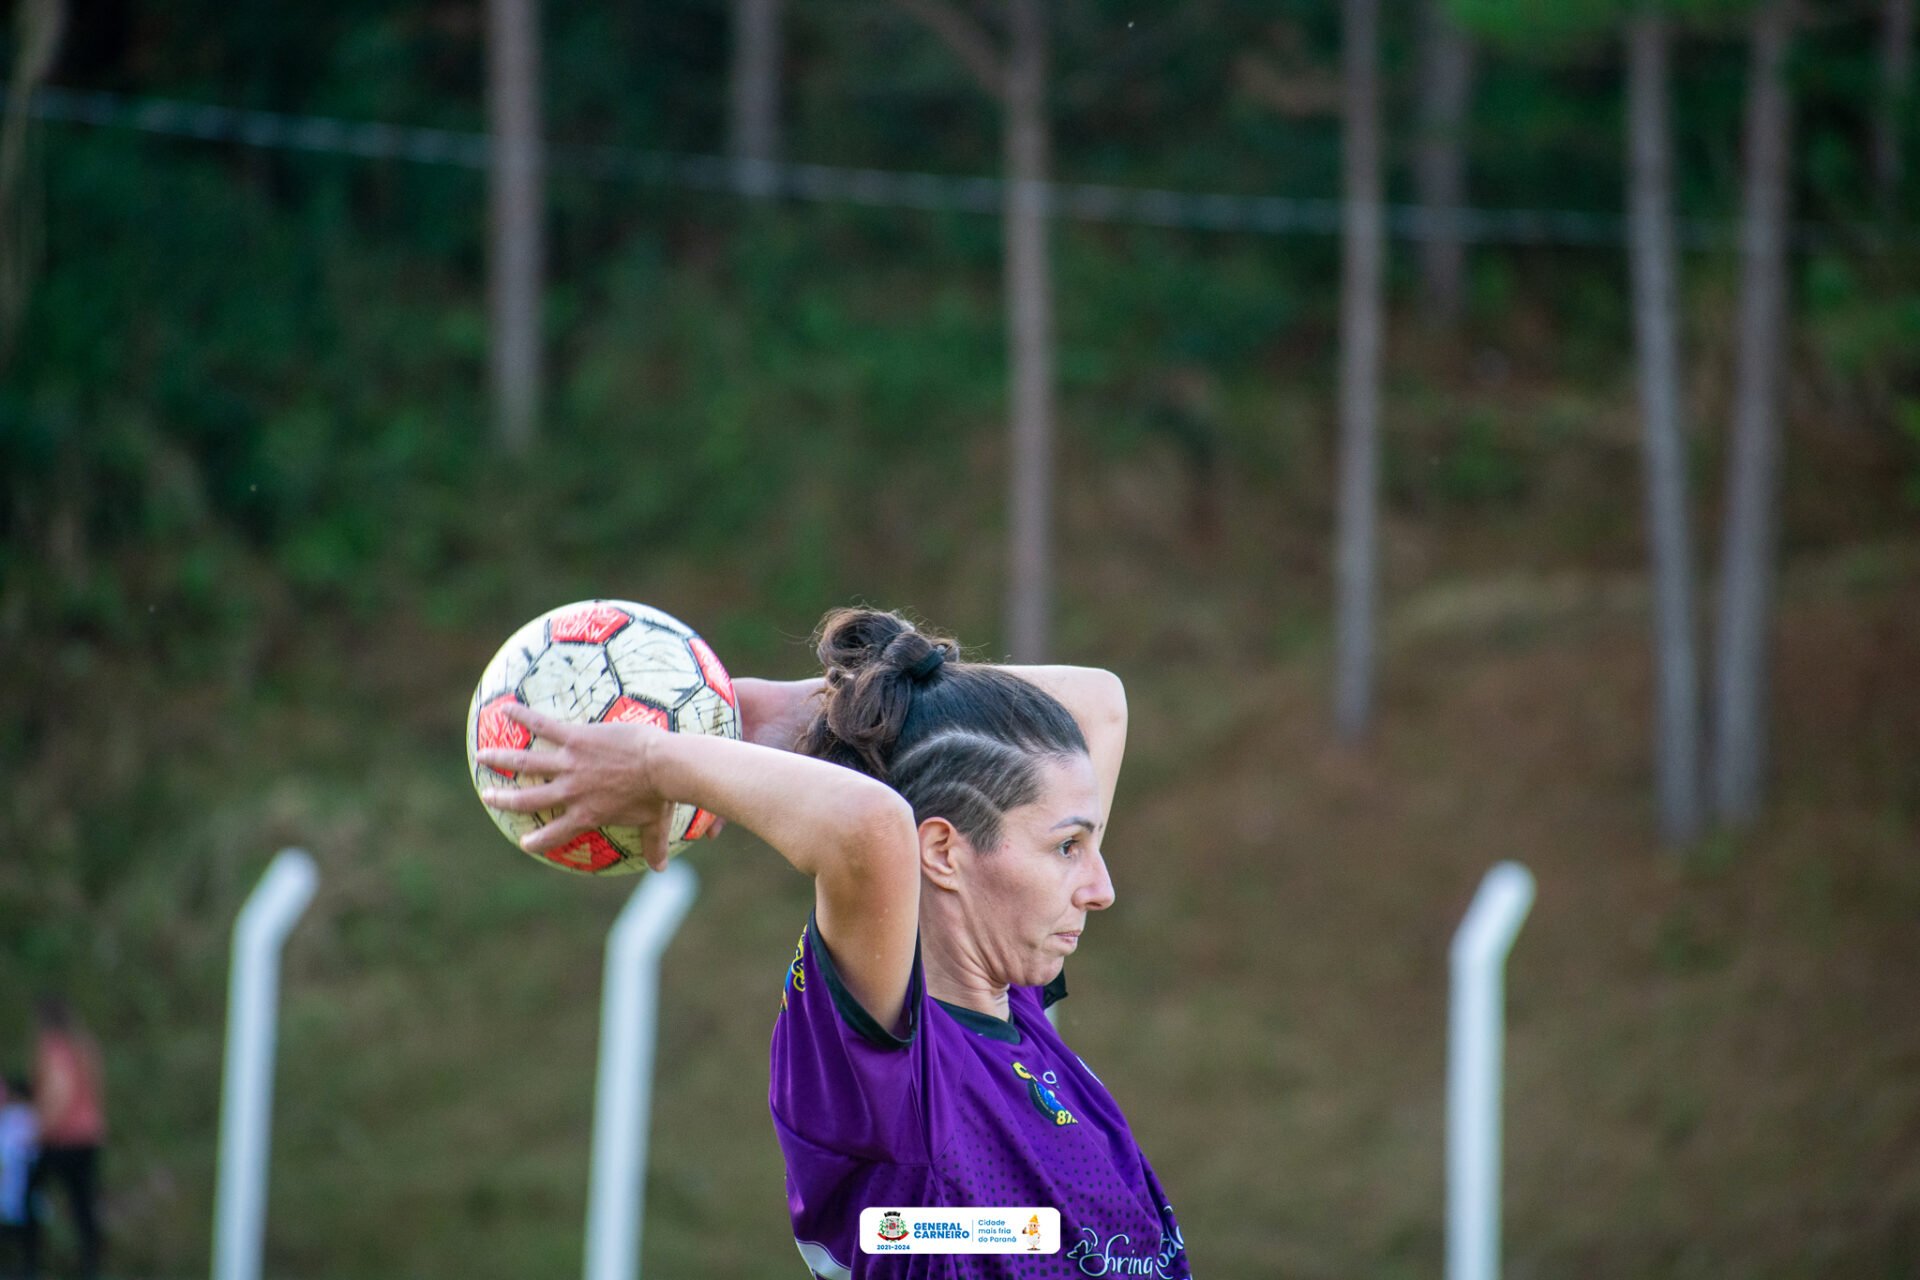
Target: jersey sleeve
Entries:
(839, 1080)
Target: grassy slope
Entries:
(1713, 1067)
(1712, 1071)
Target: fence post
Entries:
(623, 1090)
(1475, 1044)
(246, 1100)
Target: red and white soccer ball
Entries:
(600, 660)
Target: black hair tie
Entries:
(928, 664)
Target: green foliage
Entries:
(1466, 466)
(1864, 330)
(1566, 26)
(1532, 26)
(1909, 422)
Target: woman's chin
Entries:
(1044, 970)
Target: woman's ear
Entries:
(943, 851)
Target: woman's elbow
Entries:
(1112, 696)
(881, 826)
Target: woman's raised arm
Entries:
(773, 712)
(854, 835)
(1097, 701)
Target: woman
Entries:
(19, 1148)
(70, 1108)
(950, 814)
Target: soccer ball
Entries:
(600, 660)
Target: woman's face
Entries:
(1026, 902)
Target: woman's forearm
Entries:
(819, 816)
(773, 712)
(1097, 701)
(1094, 697)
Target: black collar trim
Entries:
(1054, 992)
(984, 1023)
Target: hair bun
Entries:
(922, 671)
(873, 660)
(852, 641)
(914, 654)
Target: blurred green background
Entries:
(255, 547)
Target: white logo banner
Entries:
(990, 1230)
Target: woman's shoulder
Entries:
(815, 989)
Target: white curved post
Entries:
(246, 1101)
(623, 1091)
(1475, 1045)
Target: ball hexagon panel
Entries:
(510, 666)
(595, 622)
(590, 851)
(626, 709)
(712, 672)
(655, 664)
(493, 729)
(571, 682)
(707, 714)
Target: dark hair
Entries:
(960, 740)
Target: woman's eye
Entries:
(1067, 847)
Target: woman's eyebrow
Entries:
(1088, 823)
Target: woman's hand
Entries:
(597, 775)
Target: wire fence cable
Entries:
(1272, 215)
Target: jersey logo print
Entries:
(1044, 1098)
(796, 972)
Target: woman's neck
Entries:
(959, 978)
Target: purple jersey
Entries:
(964, 1111)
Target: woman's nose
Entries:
(1096, 893)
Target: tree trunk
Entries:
(1889, 130)
(1656, 332)
(1751, 531)
(754, 129)
(1363, 269)
(515, 247)
(1440, 163)
(1029, 286)
(37, 25)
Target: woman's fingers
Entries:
(542, 764)
(592, 775)
(545, 839)
(543, 725)
(653, 841)
(565, 826)
(524, 799)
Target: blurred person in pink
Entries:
(69, 1102)
(19, 1147)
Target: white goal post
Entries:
(1476, 1042)
(623, 1090)
(246, 1095)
